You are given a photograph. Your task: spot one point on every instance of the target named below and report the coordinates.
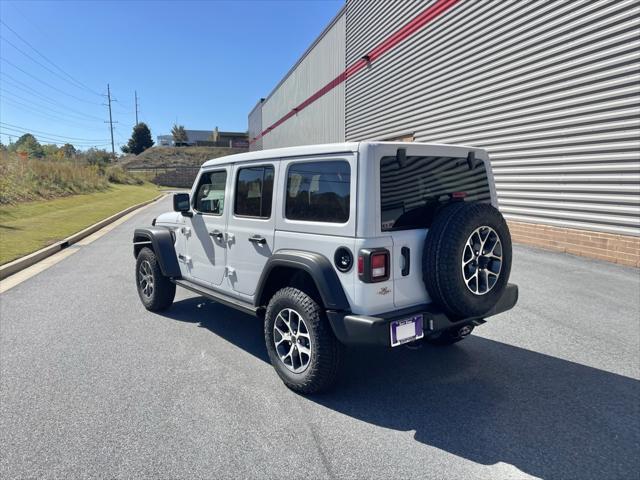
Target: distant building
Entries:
(209, 138)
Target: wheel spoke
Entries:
(292, 340)
(294, 318)
(304, 335)
(472, 278)
(284, 320)
(284, 359)
(481, 261)
(305, 350)
(283, 337)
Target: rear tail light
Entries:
(373, 265)
(378, 265)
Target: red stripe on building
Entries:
(389, 43)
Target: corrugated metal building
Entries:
(549, 88)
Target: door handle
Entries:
(217, 234)
(406, 255)
(260, 240)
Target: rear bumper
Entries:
(367, 330)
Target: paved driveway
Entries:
(93, 385)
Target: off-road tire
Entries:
(164, 290)
(442, 257)
(326, 352)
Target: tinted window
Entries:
(414, 188)
(254, 191)
(318, 191)
(210, 193)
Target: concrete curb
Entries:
(33, 258)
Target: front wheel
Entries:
(155, 290)
(301, 345)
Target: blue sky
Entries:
(202, 64)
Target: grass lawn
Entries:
(29, 226)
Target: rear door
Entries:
(250, 230)
(414, 186)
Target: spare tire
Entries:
(467, 259)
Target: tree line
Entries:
(28, 146)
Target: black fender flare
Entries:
(162, 241)
(319, 269)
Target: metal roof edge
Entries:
(337, 17)
(258, 104)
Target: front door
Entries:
(251, 225)
(205, 231)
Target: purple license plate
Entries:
(406, 330)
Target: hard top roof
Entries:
(330, 148)
(285, 152)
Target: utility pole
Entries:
(113, 148)
(136, 94)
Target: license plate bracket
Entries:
(406, 330)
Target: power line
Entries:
(39, 63)
(46, 83)
(47, 140)
(31, 102)
(44, 139)
(120, 110)
(24, 87)
(135, 92)
(13, 126)
(44, 114)
(119, 135)
(78, 82)
(27, 89)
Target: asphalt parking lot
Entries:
(93, 385)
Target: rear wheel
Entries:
(301, 345)
(155, 290)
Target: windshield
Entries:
(412, 189)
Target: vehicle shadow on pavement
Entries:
(482, 400)
(238, 328)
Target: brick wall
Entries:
(621, 249)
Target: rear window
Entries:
(254, 191)
(412, 189)
(318, 191)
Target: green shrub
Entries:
(117, 174)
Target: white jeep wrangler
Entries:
(330, 245)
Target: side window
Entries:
(210, 193)
(254, 191)
(318, 191)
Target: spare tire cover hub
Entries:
(482, 260)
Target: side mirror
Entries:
(181, 203)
